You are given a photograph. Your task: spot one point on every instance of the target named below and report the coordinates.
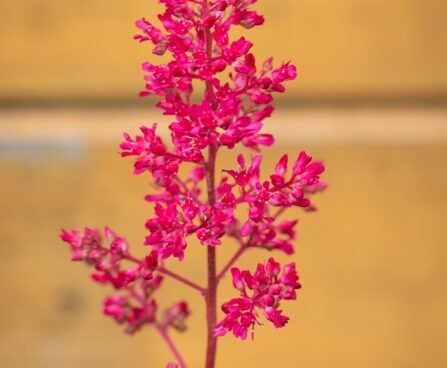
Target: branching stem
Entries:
(211, 295)
(167, 339)
(172, 274)
(182, 279)
(231, 262)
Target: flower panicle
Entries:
(237, 100)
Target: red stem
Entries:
(182, 279)
(279, 212)
(242, 248)
(211, 295)
(174, 275)
(133, 259)
(231, 262)
(167, 339)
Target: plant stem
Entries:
(211, 295)
(167, 339)
(182, 279)
(231, 262)
(279, 212)
(174, 275)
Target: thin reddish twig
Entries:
(167, 339)
(231, 262)
(182, 279)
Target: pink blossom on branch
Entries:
(176, 316)
(237, 93)
(261, 292)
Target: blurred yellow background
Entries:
(358, 49)
(372, 105)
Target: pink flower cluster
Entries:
(268, 287)
(133, 305)
(279, 192)
(237, 99)
(231, 112)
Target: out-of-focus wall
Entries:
(371, 259)
(59, 49)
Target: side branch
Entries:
(167, 339)
(232, 261)
(242, 248)
(182, 279)
(174, 275)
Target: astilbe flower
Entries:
(237, 100)
(268, 288)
